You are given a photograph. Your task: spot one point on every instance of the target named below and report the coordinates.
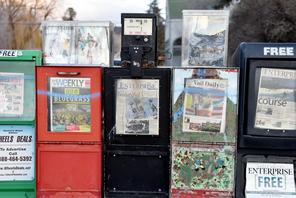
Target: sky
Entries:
(105, 10)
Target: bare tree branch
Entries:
(21, 18)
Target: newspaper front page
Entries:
(276, 107)
(273, 180)
(205, 105)
(69, 104)
(11, 94)
(137, 107)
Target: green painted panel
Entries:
(18, 194)
(21, 55)
(16, 185)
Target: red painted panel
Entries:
(43, 133)
(68, 195)
(68, 170)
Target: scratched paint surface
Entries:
(207, 168)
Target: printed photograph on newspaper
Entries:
(205, 105)
(276, 102)
(11, 94)
(58, 44)
(206, 49)
(270, 180)
(92, 45)
(137, 107)
(69, 104)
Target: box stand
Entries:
(130, 162)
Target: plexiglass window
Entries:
(137, 107)
(69, 104)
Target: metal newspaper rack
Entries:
(204, 115)
(77, 43)
(17, 122)
(137, 116)
(267, 84)
(266, 149)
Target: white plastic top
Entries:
(204, 12)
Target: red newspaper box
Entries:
(68, 104)
(69, 171)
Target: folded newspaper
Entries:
(137, 107)
(11, 94)
(69, 103)
(276, 107)
(205, 105)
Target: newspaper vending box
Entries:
(266, 149)
(17, 122)
(267, 110)
(69, 153)
(136, 133)
(77, 43)
(204, 117)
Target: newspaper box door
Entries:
(137, 111)
(69, 104)
(17, 86)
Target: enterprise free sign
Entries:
(271, 179)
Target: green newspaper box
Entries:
(17, 122)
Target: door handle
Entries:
(68, 73)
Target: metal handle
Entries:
(68, 73)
